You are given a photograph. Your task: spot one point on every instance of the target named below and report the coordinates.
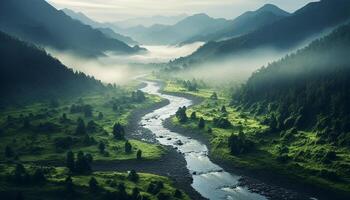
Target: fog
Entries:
(236, 68)
(121, 69)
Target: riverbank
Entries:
(171, 164)
(274, 178)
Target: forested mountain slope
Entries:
(38, 22)
(28, 73)
(308, 90)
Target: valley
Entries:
(170, 100)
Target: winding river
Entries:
(209, 179)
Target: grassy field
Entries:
(38, 132)
(297, 155)
(55, 187)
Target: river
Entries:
(209, 179)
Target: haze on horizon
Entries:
(116, 10)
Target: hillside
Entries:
(28, 73)
(283, 34)
(307, 90)
(38, 22)
(243, 24)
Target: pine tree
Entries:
(139, 154)
(128, 147)
(201, 123)
(118, 131)
(93, 185)
(80, 130)
(70, 161)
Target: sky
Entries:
(117, 10)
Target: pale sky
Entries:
(116, 10)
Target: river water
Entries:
(209, 179)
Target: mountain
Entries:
(82, 18)
(286, 33)
(243, 24)
(38, 22)
(111, 34)
(150, 21)
(28, 73)
(159, 34)
(103, 27)
(307, 90)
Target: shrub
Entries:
(201, 123)
(128, 147)
(118, 131)
(133, 176)
(93, 185)
(139, 154)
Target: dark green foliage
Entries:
(29, 74)
(139, 154)
(121, 194)
(83, 162)
(178, 194)
(69, 185)
(93, 185)
(20, 175)
(100, 116)
(81, 129)
(163, 196)
(118, 131)
(223, 109)
(222, 123)
(133, 176)
(210, 130)
(155, 186)
(91, 126)
(240, 144)
(89, 140)
(101, 147)
(127, 147)
(64, 118)
(214, 96)
(63, 142)
(181, 114)
(70, 161)
(88, 111)
(190, 85)
(9, 152)
(201, 123)
(304, 93)
(138, 96)
(39, 176)
(135, 194)
(193, 116)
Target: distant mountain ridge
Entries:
(38, 22)
(243, 24)
(286, 33)
(159, 34)
(149, 21)
(99, 26)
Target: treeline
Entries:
(307, 90)
(28, 73)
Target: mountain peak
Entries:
(273, 9)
